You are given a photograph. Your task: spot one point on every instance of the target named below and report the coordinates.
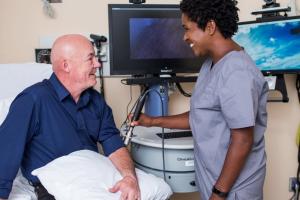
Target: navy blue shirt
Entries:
(44, 123)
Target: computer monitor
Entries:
(148, 39)
(273, 45)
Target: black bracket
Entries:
(281, 87)
(298, 86)
(158, 80)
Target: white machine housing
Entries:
(147, 153)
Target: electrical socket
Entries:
(292, 184)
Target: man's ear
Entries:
(66, 66)
(211, 27)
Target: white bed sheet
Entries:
(21, 189)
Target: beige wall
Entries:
(22, 24)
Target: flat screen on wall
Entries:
(273, 45)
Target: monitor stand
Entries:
(277, 83)
(157, 100)
(298, 86)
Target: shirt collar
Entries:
(60, 90)
(84, 99)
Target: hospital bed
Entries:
(16, 77)
(13, 79)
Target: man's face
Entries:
(84, 66)
(194, 36)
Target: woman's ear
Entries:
(211, 27)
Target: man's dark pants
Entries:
(42, 193)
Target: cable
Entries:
(292, 198)
(135, 103)
(129, 101)
(123, 81)
(101, 78)
(100, 69)
(182, 91)
(296, 192)
(163, 135)
(97, 42)
(298, 86)
(135, 117)
(127, 113)
(141, 98)
(126, 119)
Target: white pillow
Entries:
(4, 108)
(88, 175)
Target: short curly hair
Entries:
(223, 12)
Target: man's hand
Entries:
(128, 187)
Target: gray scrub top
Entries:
(230, 95)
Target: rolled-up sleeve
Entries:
(109, 135)
(14, 133)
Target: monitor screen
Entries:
(273, 45)
(148, 39)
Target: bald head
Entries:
(74, 63)
(68, 47)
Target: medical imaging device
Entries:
(146, 42)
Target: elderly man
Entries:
(61, 115)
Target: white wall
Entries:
(23, 23)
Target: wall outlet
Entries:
(292, 184)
